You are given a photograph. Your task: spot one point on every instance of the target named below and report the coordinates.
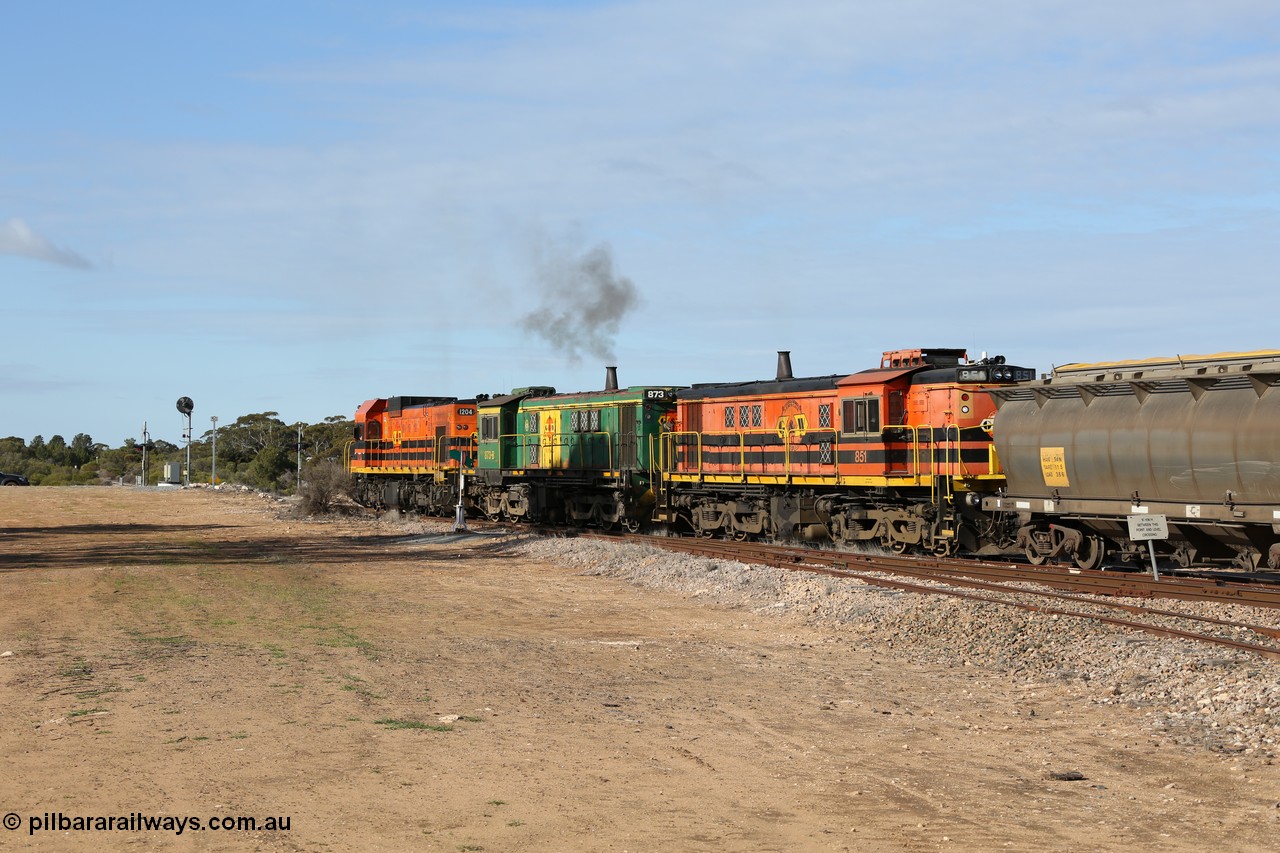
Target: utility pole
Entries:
(213, 466)
(299, 486)
(146, 438)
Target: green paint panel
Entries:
(576, 434)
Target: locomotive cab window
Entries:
(861, 416)
(489, 428)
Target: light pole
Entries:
(299, 486)
(213, 465)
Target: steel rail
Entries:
(837, 559)
(1094, 581)
(790, 558)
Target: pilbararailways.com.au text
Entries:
(139, 822)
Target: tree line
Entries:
(258, 450)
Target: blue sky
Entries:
(294, 207)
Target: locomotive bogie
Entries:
(429, 496)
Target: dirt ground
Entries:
(190, 653)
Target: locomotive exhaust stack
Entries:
(611, 379)
(784, 365)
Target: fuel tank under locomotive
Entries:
(1196, 439)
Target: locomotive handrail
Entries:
(914, 467)
(669, 440)
(374, 449)
(924, 442)
(378, 446)
(516, 441)
(608, 445)
(742, 450)
(441, 450)
(949, 466)
(672, 442)
(546, 441)
(960, 468)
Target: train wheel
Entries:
(1034, 558)
(1090, 553)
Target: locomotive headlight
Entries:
(964, 410)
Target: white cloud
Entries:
(17, 238)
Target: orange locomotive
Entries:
(409, 451)
(901, 454)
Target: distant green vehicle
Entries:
(586, 458)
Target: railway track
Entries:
(1059, 591)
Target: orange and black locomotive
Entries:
(900, 455)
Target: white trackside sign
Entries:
(1143, 528)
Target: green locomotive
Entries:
(586, 458)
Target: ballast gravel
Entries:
(1188, 692)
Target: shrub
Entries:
(323, 481)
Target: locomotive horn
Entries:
(784, 364)
(611, 379)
